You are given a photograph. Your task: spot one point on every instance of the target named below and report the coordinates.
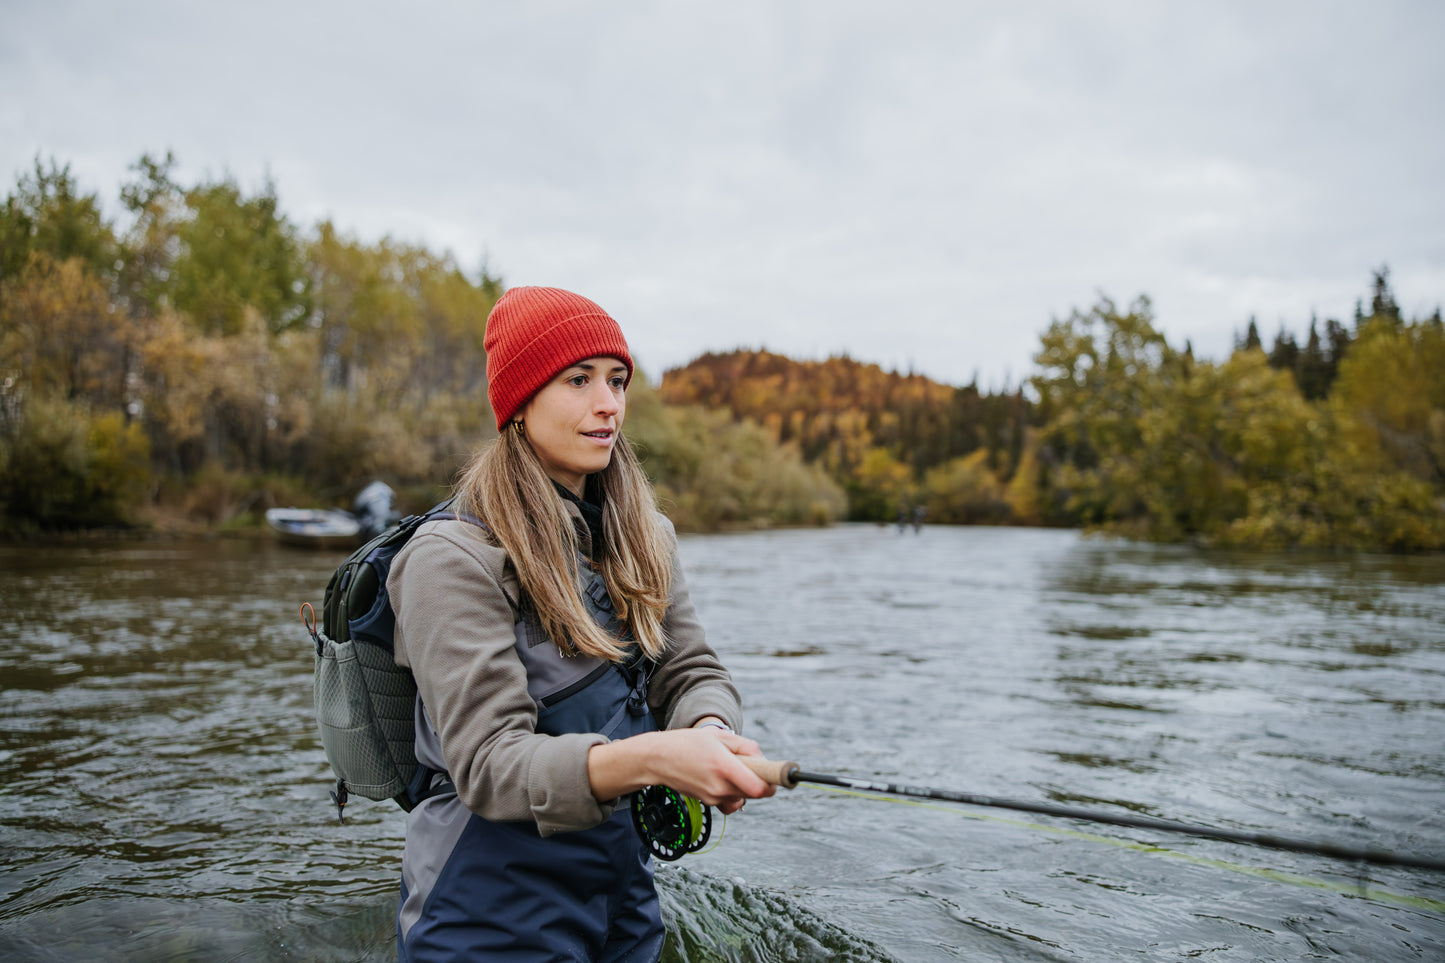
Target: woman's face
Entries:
(572, 423)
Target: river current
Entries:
(163, 794)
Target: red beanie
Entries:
(533, 333)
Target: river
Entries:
(163, 795)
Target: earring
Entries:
(519, 428)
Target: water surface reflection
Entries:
(164, 794)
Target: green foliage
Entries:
(63, 468)
(712, 472)
(150, 247)
(879, 487)
(59, 332)
(1341, 507)
(1316, 364)
(965, 491)
(216, 355)
(1390, 397)
(1142, 440)
(48, 214)
(119, 466)
(1024, 492)
(237, 254)
(874, 432)
(1097, 390)
(217, 494)
(350, 442)
(216, 359)
(397, 322)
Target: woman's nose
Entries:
(604, 399)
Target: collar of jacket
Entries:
(586, 518)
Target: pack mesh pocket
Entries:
(365, 707)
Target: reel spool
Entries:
(669, 823)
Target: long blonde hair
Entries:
(506, 487)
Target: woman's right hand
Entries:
(702, 763)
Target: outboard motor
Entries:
(375, 508)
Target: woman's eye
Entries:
(619, 383)
(578, 380)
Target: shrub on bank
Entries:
(62, 468)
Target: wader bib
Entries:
(473, 889)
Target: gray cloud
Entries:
(923, 185)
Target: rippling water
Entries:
(163, 795)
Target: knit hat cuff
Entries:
(528, 367)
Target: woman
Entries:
(559, 663)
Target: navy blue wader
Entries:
(473, 889)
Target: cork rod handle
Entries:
(770, 770)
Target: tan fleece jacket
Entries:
(454, 629)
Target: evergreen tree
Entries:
(1382, 299)
(1284, 356)
(1311, 371)
(1251, 337)
(1338, 338)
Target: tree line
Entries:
(208, 358)
(205, 358)
(893, 441)
(1139, 437)
(1336, 444)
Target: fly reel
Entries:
(671, 824)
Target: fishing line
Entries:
(672, 824)
(791, 775)
(788, 775)
(1348, 889)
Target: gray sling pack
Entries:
(365, 702)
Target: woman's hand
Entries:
(702, 763)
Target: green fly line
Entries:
(1362, 890)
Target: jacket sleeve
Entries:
(691, 681)
(454, 629)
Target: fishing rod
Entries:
(788, 776)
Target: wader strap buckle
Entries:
(339, 796)
(637, 698)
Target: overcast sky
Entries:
(924, 185)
